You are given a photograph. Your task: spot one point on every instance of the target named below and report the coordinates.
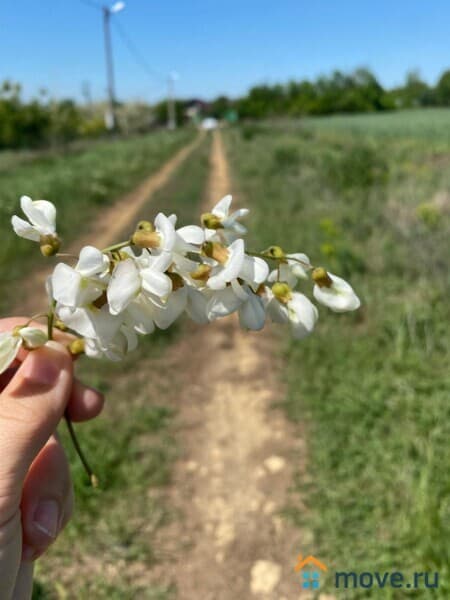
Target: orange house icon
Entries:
(309, 560)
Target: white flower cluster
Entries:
(111, 296)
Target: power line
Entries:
(138, 57)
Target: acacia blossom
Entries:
(109, 298)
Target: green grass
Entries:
(80, 184)
(107, 550)
(371, 389)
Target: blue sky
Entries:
(220, 47)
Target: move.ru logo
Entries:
(310, 568)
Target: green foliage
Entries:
(80, 183)
(370, 388)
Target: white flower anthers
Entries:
(41, 224)
(110, 297)
(10, 343)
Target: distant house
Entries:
(194, 109)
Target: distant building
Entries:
(209, 123)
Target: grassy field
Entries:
(107, 549)
(80, 183)
(369, 198)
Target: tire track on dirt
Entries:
(238, 455)
(114, 220)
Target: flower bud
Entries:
(201, 273)
(216, 251)
(275, 252)
(32, 337)
(282, 292)
(146, 239)
(76, 347)
(211, 221)
(145, 226)
(49, 245)
(321, 277)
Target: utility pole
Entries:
(171, 112)
(110, 117)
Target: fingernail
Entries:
(46, 518)
(42, 366)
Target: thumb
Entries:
(31, 407)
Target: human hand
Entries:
(36, 497)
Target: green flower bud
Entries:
(76, 347)
(275, 252)
(145, 226)
(282, 292)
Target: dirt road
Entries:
(238, 454)
(113, 221)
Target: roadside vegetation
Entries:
(107, 550)
(370, 388)
(80, 183)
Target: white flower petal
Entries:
(175, 305)
(275, 309)
(222, 208)
(254, 270)
(191, 234)
(299, 269)
(9, 347)
(140, 315)
(222, 303)
(303, 315)
(285, 274)
(251, 313)
(232, 267)
(156, 283)
(167, 231)
(239, 290)
(42, 214)
(33, 337)
(24, 229)
(196, 305)
(340, 297)
(124, 285)
(92, 262)
(66, 283)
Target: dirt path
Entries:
(114, 220)
(238, 457)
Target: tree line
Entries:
(43, 121)
(358, 91)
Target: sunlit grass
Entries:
(370, 388)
